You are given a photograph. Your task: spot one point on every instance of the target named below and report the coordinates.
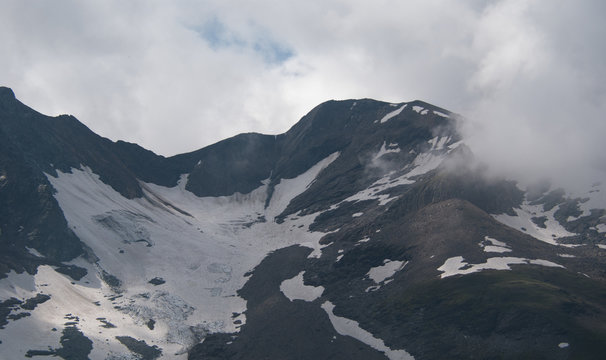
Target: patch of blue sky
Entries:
(219, 36)
(272, 52)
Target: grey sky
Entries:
(174, 76)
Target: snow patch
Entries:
(348, 327)
(288, 189)
(440, 114)
(596, 198)
(358, 214)
(522, 221)
(295, 289)
(545, 263)
(455, 145)
(418, 109)
(391, 148)
(496, 249)
(492, 245)
(34, 252)
(571, 246)
(438, 142)
(563, 345)
(457, 266)
(392, 114)
(389, 268)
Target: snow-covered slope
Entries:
(200, 249)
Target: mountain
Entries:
(366, 231)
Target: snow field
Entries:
(202, 258)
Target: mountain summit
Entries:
(366, 231)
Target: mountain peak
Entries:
(7, 97)
(6, 92)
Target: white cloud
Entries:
(539, 105)
(176, 76)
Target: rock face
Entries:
(365, 231)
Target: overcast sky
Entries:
(174, 76)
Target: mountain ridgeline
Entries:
(365, 231)
(34, 144)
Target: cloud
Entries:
(539, 104)
(176, 76)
